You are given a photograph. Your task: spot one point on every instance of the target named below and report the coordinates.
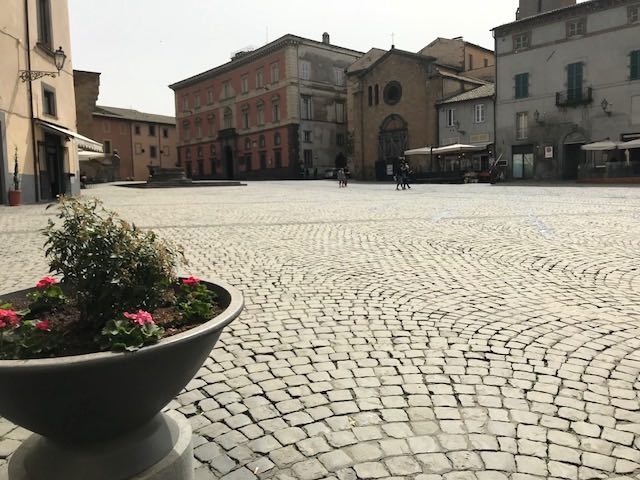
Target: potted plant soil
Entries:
(15, 195)
(89, 362)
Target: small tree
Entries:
(16, 177)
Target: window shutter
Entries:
(635, 65)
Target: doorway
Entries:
(573, 156)
(228, 157)
(51, 168)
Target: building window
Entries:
(185, 103)
(392, 92)
(305, 70)
(210, 97)
(261, 141)
(212, 150)
(186, 131)
(377, 94)
(45, 36)
(153, 151)
(226, 90)
(136, 129)
(521, 41)
(634, 13)
(574, 81)
(200, 167)
(49, 101)
(244, 84)
(277, 154)
(260, 78)
(339, 112)
(245, 117)
(275, 72)
(370, 96)
(277, 140)
(197, 100)
(339, 139)
(339, 76)
(486, 62)
(522, 125)
(479, 116)
(470, 62)
(107, 146)
(152, 130)
(522, 85)
(198, 128)
(247, 144)
(199, 152)
(306, 136)
(211, 121)
(306, 111)
(228, 118)
(138, 148)
(308, 158)
(576, 27)
(188, 154)
(451, 117)
(275, 109)
(106, 127)
(635, 65)
(165, 133)
(260, 109)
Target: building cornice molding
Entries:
(559, 15)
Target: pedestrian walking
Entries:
(342, 182)
(400, 174)
(405, 179)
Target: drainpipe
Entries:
(362, 126)
(36, 173)
(495, 102)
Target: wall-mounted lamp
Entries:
(537, 116)
(606, 106)
(59, 58)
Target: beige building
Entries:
(392, 102)
(37, 106)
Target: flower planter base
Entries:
(160, 450)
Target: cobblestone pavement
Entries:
(443, 333)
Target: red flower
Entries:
(8, 318)
(141, 318)
(44, 325)
(191, 281)
(46, 282)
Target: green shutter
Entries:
(522, 85)
(635, 65)
(574, 81)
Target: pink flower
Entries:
(8, 318)
(141, 318)
(46, 282)
(191, 281)
(44, 325)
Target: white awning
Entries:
(83, 142)
(631, 144)
(600, 146)
(87, 155)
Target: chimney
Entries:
(529, 8)
(326, 39)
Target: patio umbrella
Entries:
(632, 144)
(419, 151)
(600, 146)
(458, 148)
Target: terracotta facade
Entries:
(268, 113)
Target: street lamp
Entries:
(59, 58)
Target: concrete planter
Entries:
(96, 403)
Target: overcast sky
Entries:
(141, 46)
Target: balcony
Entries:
(574, 97)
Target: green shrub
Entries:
(109, 265)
